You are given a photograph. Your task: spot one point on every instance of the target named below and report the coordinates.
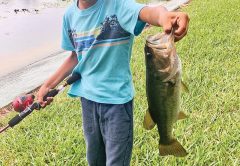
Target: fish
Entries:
(163, 91)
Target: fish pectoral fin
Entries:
(181, 115)
(175, 149)
(164, 70)
(148, 123)
(184, 87)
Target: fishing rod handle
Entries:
(15, 120)
(18, 118)
(51, 93)
(74, 77)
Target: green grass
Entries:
(210, 57)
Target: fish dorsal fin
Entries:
(148, 123)
(184, 87)
(181, 115)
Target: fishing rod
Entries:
(25, 104)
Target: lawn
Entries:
(210, 58)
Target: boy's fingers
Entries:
(167, 23)
(40, 100)
(181, 25)
(43, 104)
(177, 38)
(49, 100)
(167, 27)
(180, 29)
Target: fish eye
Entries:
(170, 83)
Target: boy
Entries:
(99, 34)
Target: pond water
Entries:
(26, 37)
(29, 44)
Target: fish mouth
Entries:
(163, 47)
(159, 41)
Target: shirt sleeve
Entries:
(67, 40)
(128, 14)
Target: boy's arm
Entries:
(63, 71)
(159, 16)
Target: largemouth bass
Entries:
(163, 88)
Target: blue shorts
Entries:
(108, 131)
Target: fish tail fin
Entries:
(175, 148)
(181, 115)
(148, 123)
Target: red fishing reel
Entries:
(22, 102)
(25, 104)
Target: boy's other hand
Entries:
(41, 93)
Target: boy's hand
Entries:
(178, 21)
(41, 93)
(160, 16)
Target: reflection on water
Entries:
(7, 7)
